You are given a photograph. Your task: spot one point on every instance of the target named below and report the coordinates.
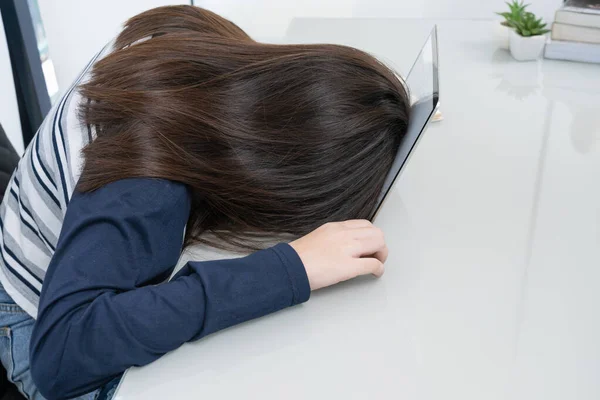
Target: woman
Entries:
(184, 130)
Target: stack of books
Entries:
(576, 32)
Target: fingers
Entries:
(382, 254)
(366, 266)
(369, 242)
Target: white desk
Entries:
(492, 289)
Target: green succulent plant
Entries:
(528, 25)
(516, 11)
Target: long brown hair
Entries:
(268, 138)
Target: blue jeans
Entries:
(16, 327)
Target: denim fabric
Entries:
(15, 333)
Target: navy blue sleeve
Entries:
(103, 307)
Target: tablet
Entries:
(423, 86)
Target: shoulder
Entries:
(137, 195)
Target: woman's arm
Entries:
(100, 312)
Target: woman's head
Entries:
(268, 138)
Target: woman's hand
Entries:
(339, 251)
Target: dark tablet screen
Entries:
(423, 85)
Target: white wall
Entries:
(268, 19)
(76, 29)
(9, 109)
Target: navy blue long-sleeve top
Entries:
(105, 307)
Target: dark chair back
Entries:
(8, 161)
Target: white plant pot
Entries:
(526, 48)
(501, 35)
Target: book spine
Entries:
(571, 57)
(579, 19)
(575, 33)
(581, 10)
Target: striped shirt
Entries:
(35, 203)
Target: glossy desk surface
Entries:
(492, 288)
